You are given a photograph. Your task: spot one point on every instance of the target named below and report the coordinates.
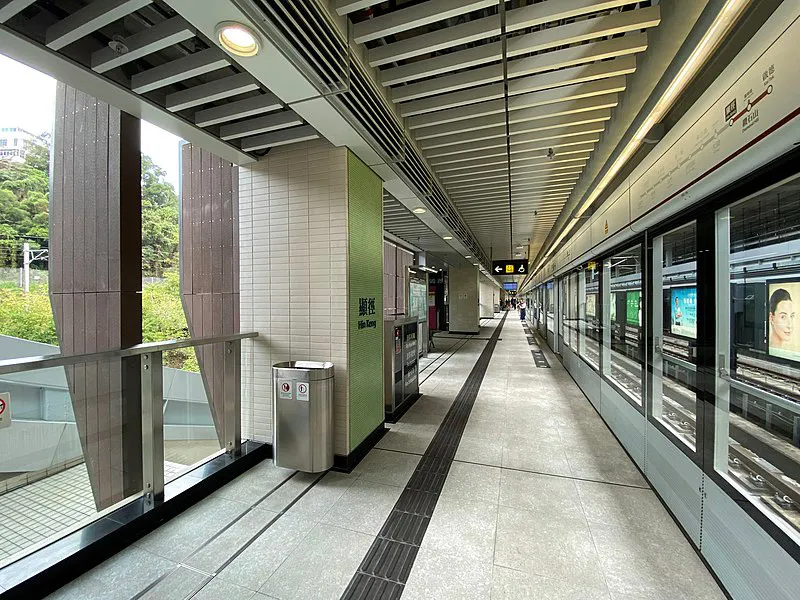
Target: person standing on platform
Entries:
(522, 307)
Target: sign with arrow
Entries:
(509, 267)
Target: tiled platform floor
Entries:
(48, 507)
(541, 503)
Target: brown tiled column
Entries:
(96, 279)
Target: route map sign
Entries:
(509, 267)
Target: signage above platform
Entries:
(509, 267)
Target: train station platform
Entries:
(539, 500)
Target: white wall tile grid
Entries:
(293, 239)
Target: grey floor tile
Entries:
(625, 507)
(477, 482)
(364, 506)
(463, 524)
(218, 589)
(179, 584)
(408, 438)
(557, 548)
(184, 534)
(447, 576)
(252, 485)
(321, 566)
(610, 466)
(476, 450)
(216, 552)
(540, 458)
(636, 563)
(387, 467)
(262, 558)
(288, 492)
(508, 584)
(119, 578)
(315, 504)
(484, 429)
(545, 496)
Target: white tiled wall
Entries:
(293, 234)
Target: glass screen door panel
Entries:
(757, 383)
(674, 352)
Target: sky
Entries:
(31, 106)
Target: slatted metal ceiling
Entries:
(404, 224)
(505, 102)
(165, 61)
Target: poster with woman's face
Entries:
(782, 339)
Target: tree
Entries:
(159, 221)
(24, 203)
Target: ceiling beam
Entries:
(517, 128)
(520, 116)
(434, 41)
(563, 136)
(206, 93)
(240, 109)
(539, 63)
(192, 65)
(533, 173)
(575, 144)
(344, 7)
(477, 166)
(89, 19)
(418, 15)
(555, 10)
(522, 101)
(532, 83)
(490, 172)
(9, 8)
(150, 40)
(272, 122)
(538, 41)
(279, 138)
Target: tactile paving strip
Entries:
(387, 565)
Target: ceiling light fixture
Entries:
(447, 237)
(420, 211)
(468, 256)
(238, 39)
(725, 19)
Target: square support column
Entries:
(464, 300)
(311, 245)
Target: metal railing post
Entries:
(152, 429)
(232, 400)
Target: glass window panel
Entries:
(758, 377)
(675, 335)
(550, 305)
(625, 338)
(588, 314)
(573, 310)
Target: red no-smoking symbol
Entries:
(2, 406)
(285, 387)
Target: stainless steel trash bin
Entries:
(303, 415)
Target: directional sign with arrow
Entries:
(509, 267)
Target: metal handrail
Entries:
(34, 363)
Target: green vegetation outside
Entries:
(24, 205)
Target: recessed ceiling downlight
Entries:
(447, 237)
(238, 39)
(420, 211)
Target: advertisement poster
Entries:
(633, 308)
(683, 311)
(782, 340)
(591, 305)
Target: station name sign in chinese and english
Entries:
(366, 308)
(509, 267)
